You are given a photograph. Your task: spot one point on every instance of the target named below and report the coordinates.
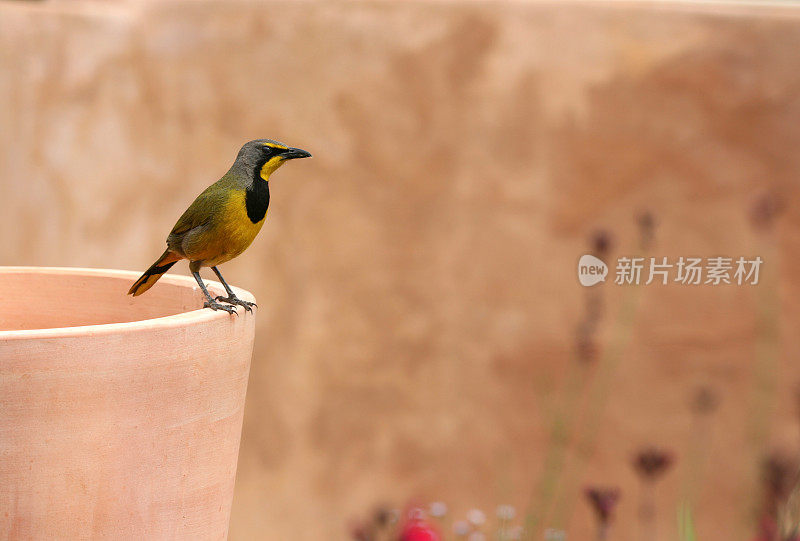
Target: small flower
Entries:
(551, 534)
(416, 513)
(603, 501)
(704, 401)
(647, 227)
(764, 211)
(506, 512)
(419, 530)
(476, 517)
(652, 462)
(438, 509)
(779, 476)
(461, 528)
(382, 517)
(600, 242)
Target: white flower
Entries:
(506, 512)
(438, 509)
(554, 535)
(461, 528)
(415, 513)
(476, 517)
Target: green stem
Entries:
(597, 400)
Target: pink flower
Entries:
(602, 500)
(419, 530)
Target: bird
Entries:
(223, 220)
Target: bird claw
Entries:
(217, 306)
(248, 306)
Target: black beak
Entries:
(293, 153)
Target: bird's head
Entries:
(264, 156)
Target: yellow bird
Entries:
(222, 222)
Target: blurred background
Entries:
(422, 335)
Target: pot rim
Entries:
(182, 319)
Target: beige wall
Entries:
(415, 279)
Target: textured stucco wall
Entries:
(415, 279)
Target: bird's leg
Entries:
(232, 298)
(210, 302)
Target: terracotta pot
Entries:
(120, 418)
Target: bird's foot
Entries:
(233, 299)
(218, 306)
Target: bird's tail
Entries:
(155, 271)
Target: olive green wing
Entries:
(200, 214)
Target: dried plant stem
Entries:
(765, 376)
(695, 458)
(647, 511)
(502, 530)
(560, 431)
(594, 409)
(565, 416)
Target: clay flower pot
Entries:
(120, 418)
